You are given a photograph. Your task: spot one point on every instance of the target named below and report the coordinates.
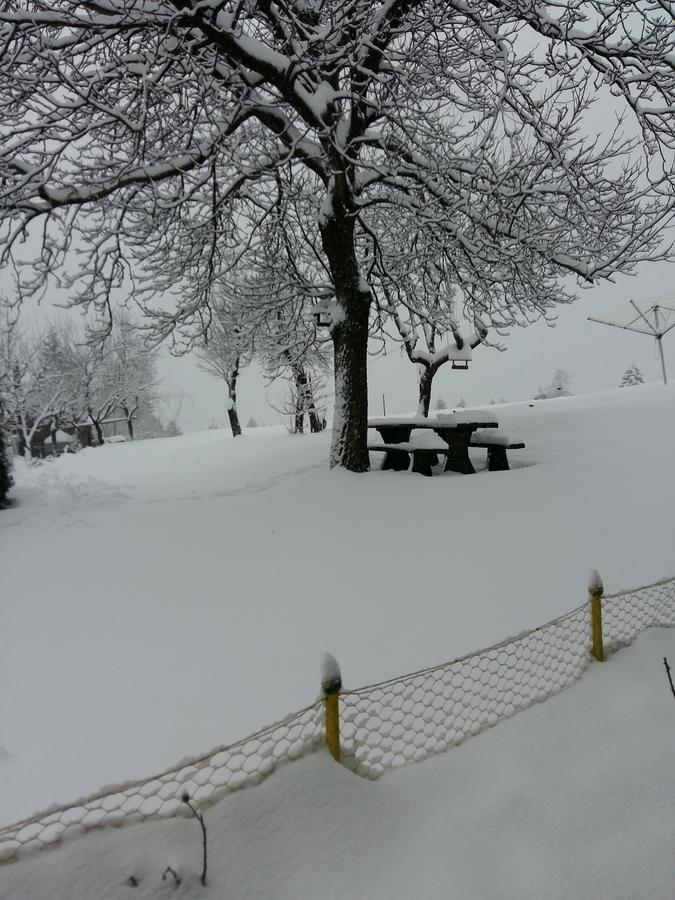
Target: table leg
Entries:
(458, 456)
(398, 460)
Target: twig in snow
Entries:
(670, 678)
(171, 871)
(185, 797)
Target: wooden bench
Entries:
(424, 458)
(398, 456)
(455, 429)
(496, 446)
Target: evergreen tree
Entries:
(559, 386)
(5, 474)
(632, 376)
(172, 429)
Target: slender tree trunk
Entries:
(129, 413)
(52, 435)
(305, 395)
(232, 413)
(235, 425)
(350, 338)
(299, 420)
(426, 378)
(316, 424)
(97, 428)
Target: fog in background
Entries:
(596, 356)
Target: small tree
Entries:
(304, 398)
(632, 376)
(461, 403)
(559, 386)
(5, 472)
(440, 403)
(251, 423)
(172, 429)
(229, 348)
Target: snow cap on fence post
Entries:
(596, 589)
(331, 677)
(331, 682)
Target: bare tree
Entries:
(34, 391)
(305, 397)
(229, 348)
(149, 137)
(129, 370)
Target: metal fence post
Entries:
(596, 589)
(331, 683)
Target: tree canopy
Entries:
(148, 143)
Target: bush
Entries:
(5, 472)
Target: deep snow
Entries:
(164, 597)
(569, 800)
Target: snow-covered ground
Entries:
(163, 597)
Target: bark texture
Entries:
(232, 413)
(350, 340)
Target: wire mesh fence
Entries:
(206, 779)
(382, 726)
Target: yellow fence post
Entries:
(331, 683)
(595, 589)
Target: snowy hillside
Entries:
(164, 597)
(568, 800)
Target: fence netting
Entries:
(206, 779)
(383, 726)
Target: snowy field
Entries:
(163, 597)
(570, 800)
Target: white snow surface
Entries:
(569, 799)
(164, 597)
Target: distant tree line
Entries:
(55, 381)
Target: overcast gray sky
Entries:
(596, 356)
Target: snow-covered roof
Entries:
(62, 437)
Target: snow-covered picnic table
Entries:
(458, 431)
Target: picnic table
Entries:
(454, 429)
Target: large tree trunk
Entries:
(350, 418)
(350, 336)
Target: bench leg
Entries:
(423, 460)
(397, 460)
(496, 459)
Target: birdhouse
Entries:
(322, 318)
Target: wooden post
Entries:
(333, 724)
(595, 589)
(331, 683)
